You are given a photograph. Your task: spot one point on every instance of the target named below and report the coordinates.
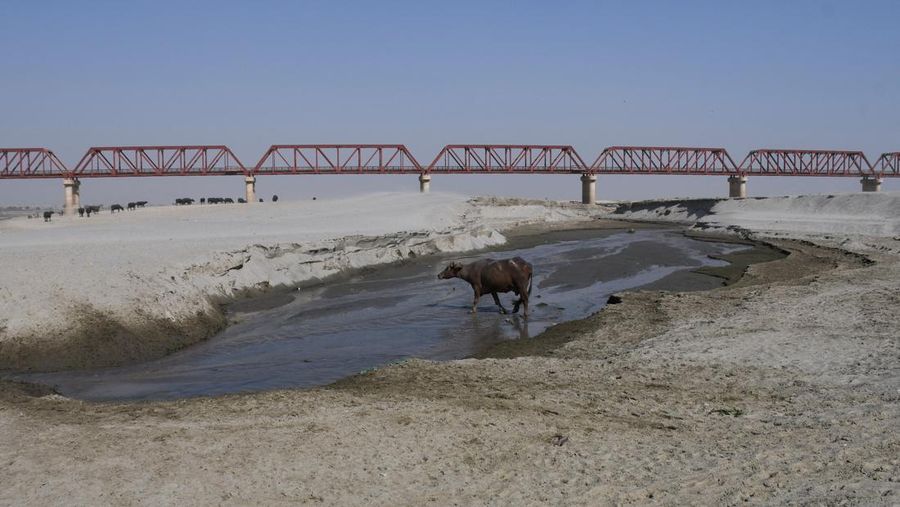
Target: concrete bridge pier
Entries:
(588, 188)
(737, 186)
(250, 189)
(73, 195)
(871, 184)
(424, 183)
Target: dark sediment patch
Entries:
(739, 262)
(696, 208)
(96, 340)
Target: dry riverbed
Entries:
(781, 388)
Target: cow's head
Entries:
(451, 271)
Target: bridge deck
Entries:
(219, 160)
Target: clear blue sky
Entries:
(741, 75)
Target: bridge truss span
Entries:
(663, 160)
(507, 158)
(767, 162)
(888, 164)
(30, 163)
(338, 159)
(116, 161)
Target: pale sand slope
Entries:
(860, 214)
(82, 292)
(782, 389)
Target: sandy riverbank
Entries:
(782, 388)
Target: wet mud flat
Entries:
(375, 317)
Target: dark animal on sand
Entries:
(81, 212)
(141, 204)
(92, 209)
(116, 207)
(47, 215)
(242, 200)
(489, 276)
(228, 200)
(184, 201)
(131, 206)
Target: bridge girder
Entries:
(18, 163)
(663, 160)
(507, 158)
(338, 159)
(129, 161)
(769, 162)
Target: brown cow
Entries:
(489, 276)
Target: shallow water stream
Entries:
(324, 333)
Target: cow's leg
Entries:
(523, 300)
(497, 300)
(475, 301)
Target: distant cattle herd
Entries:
(181, 201)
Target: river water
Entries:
(323, 333)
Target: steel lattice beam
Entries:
(30, 163)
(115, 161)
(338, 159)
(516, 159)
(663, 160)
(888, 164)
(806, 163)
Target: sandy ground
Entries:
(782, 388)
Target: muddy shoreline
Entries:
(522, 236)
(373, 318)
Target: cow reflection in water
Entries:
(489, 276)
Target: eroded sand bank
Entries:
(782, 388)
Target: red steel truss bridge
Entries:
(208, 160)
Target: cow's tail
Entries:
(530, 280)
